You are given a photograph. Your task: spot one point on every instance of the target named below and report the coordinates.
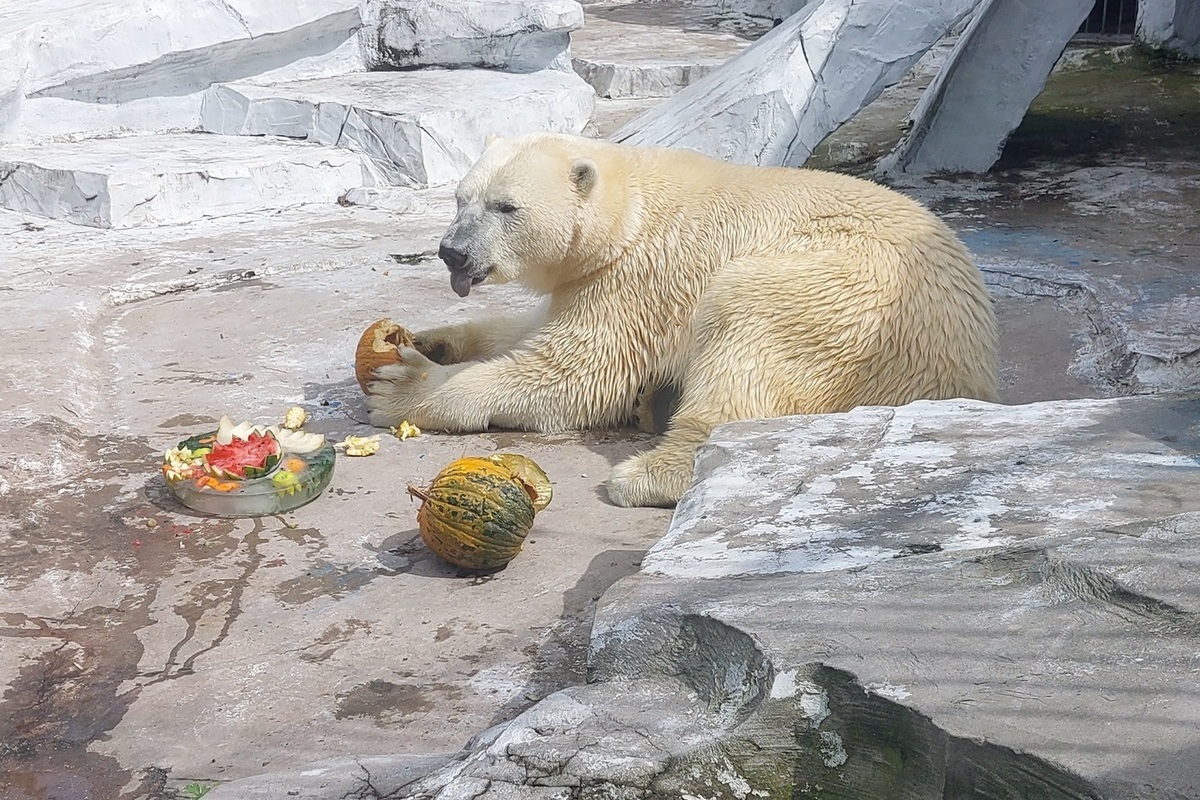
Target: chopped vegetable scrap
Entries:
(359, 445)
(406, 431)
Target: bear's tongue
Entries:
(460, 282)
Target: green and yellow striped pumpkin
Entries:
(477, 511)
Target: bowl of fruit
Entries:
(247, 470)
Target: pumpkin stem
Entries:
(420, 494)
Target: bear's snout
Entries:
(454, 258)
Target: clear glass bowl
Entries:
(296, 479)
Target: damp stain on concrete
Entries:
(323, 579)
(188, 421)
(332, 639)
(387, 702)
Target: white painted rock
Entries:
(842, 491)
(776, 101)
(648, 57)
(168, 179)
(1170, 24)
(12, 95)
(127, 49)
(420, 127)
(504, 34)
(995, 71)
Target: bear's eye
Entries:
(506, 208)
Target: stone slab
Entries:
(648, 50)
(133, 49)
(962, 120)
(169, 179)
(843, 491)
(420, 127)
(776, 101)
(513, 35)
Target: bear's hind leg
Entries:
(729, 377)
(774, 336)
(659, 477)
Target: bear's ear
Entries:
(584, 175)
(491, 139)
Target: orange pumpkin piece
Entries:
(378, 346)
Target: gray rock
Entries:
(942, 600)
(962, 120)
(776, 101)
(839, 492)
(505, 34)
(168, 179)
(422, 127)
(1170, 24)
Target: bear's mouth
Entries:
(461, 282)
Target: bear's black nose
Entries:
(455, 259)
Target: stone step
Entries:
(130, 49)
(513, 35)
(422, 127)
(644, 50)
(172, 178)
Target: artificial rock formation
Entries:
(168, 179)
(85, 104)
(1170, 24)
(420, 127)
(509, 34)
(982, 93)
(142, 48)
(776, 101)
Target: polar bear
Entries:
(757, 292)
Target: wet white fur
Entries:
(761, 292)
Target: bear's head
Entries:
(528, 212)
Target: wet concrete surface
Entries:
(144, 647)
(1086, 228)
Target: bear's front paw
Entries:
(399, 391)
(441, 345)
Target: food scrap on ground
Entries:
(406, 431)
(359, 445)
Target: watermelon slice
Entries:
(242, 458)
